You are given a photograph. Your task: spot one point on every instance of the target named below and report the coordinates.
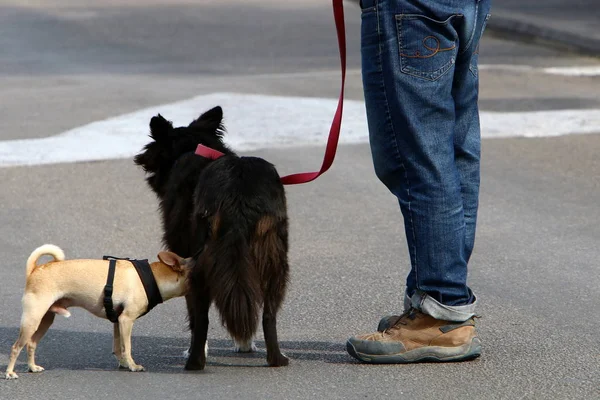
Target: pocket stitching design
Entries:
(434, 50)
(431, 75)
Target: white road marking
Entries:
(259, 121)
(584, 71)
(539, 123)
(591, 70)
(507, 67)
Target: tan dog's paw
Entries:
(11, 375)
(35, 368)
(136, 368)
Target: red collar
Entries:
(207, 152)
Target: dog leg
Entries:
(189, 302)
(117, 346)
(35, 339)
(186, 352)
(14, 354)
(274, 356)
(24, 335)
(30, 320)
(197, 358)
(273, 299)
(125, 328)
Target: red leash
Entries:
(334, 131)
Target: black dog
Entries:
(230, 215)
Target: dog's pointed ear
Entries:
(211, 119)
(160, 128)
(172, 260)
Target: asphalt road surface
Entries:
(535, 267)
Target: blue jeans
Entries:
(420, 78)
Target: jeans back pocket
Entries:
(427, 47)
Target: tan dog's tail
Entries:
(47, 249)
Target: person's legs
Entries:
(424, 134)
(465, 92)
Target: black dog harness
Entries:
(150, 286)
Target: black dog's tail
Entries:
(235, 286)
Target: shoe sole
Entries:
(425, 354)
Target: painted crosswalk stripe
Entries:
(260, 121)
(577, 71)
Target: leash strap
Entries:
(334, 132)
(111, 314)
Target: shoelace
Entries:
(411, 313)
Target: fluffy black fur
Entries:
(228, 214)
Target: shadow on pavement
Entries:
(71, 350)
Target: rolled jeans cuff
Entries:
(428, 305)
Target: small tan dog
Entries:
(53, 287)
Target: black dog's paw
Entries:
(194, 365)
(278, 361)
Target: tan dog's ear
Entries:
(172, 260)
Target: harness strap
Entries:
(111, 314)
(148, 281)
(150, 286)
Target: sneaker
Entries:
(416, 337)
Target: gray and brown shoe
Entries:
(416, 337)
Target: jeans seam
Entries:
(470, 42)
(412, 226)
(378, 36)
(397, 147)
(473, 68)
